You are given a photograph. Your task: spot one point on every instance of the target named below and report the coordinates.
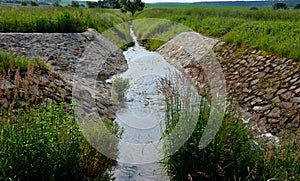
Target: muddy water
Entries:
(142, 117)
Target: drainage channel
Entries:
(142, 116)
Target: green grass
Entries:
(112, 23)
(192, 6)
(13, 62)
(281, 37)
(41, 140)
(16, 18)
(119, 35)
(44, 142)
(152, 33)
(235, 153)
(232, 24)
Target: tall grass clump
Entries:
(13, 62)
(237, 152)
(39, 143)
(120, 86)
(44, 143)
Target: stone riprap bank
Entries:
(78, 60)
(265, 86)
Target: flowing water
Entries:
(142, 117)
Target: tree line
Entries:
(125, 5)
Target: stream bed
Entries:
(142, 116)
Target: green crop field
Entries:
(193, 6)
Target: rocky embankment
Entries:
(79, 64)
(265, 86)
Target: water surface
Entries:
(142, 116)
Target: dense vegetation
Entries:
(256, 29)
(41, 140)
(235, 153)
(112, 23)
(51, 19)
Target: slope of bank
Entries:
(83, 60)
(265, 86)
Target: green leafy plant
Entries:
(120, 86)
(10, 61)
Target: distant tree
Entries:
(91, 4)
(75, 4)
(56, 4)
(24, 3)
(253, 8)
(297, 6)
(132, 5)
(114, 4)
(279, 6)
(34, 3)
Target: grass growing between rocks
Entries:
(39, 136)
(255, 29)
(13, 62)
(235, 153)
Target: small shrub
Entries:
(75, 4)
(297, 6)
(24, 3)
(92, 4)
(253, 8)
(56, 4)
(34, 3)
(120, 86)
(279, 6)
